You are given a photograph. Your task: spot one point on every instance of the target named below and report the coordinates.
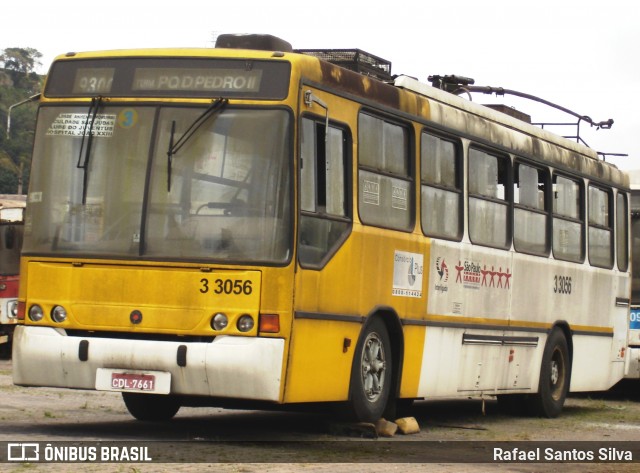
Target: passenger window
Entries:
(384, 180)
(488, 199)
(531, 216)
(600, 228)
(568, 220)
(622, 231)
(324, 219)
(441, 207)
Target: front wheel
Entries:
(371, 373)
(151, 407)
(555, 375)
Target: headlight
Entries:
(245, 323)
(219, 322)
(36, 313)
(59, 314)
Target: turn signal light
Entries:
(269, 323)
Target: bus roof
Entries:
(415, 98)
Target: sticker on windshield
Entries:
(127, 118)
(79, 124)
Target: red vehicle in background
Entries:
(11, 233)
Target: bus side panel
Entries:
(455, 365)
(475, 291)
(442, 357)
(582, 299)
(414, 345)
(320, 363)
(358, 282)
(468, 313)
(469, 284)
(589, 357)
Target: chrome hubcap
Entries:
(373, 367)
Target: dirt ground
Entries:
(48, 414)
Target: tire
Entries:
(555, 375)
(371, 373)
(151, 407)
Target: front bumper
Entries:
(230, 367)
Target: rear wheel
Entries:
(555, 374)
(371, 373)
(151, 407)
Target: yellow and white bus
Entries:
(634, 315)
(251, 223)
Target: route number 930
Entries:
(226, 286)
(562, 284)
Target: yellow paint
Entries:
(414, 337)
(171, 300)
(319, 368)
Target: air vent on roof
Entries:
(355, 60)
(262, 42)
(512, 112)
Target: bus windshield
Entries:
(224, 195)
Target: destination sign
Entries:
(96, 80)
(169, 77)
(212, 80)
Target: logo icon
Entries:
(443, 270)
(411, 277)
(23, 452)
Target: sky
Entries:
(581, 54)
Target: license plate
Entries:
(133, 381)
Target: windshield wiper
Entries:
(216, 107)
(96, 102)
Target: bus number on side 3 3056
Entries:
(227, 286)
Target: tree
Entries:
(18, 81)
(20, 64)
(22, 60)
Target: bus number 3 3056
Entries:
(562, 284)
(227, 286)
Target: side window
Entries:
(488, 199)
(622, 231)
(325, 217)
(441, 191)
(600, 227)
(384, 178)
(568, 220)
(531, 212)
